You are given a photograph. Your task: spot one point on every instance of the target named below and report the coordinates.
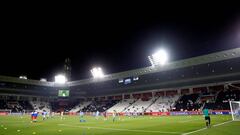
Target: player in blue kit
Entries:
(82, 117)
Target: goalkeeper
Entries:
(207, 117)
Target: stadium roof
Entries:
(214, 57)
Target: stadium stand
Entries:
(188, 102)
(40, 106)
(15, 106)
(26, 105)
(80, 106)
(163, 104)
(122, 105)
(139, 106)
(223, 98)
(70, 105)
(63, 105)
(215, 99)
(101, 106)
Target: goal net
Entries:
(235, 110)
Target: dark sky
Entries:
(36, 43)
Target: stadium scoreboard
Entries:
(63, 93)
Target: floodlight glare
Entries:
(43, 80)
(23, 77)
(97, 72)
(158, 58)
(61, 79)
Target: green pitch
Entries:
(167, 125)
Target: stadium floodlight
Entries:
(61, 79)
(97, 72)
(23, 77)
(43, 80)
(158, 58)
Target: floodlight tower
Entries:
(159, 58)
(97, 72)
(60, 79)
(68, 68)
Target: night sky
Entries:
(117, 39)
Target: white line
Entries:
(119, 129)
(194, 131)
(222, 123)
(206, 128)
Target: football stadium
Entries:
(167, 98)
(108, 70)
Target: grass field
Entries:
(143, 125)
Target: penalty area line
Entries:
(119, 129)
(216, 125)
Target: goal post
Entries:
(235, 110)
